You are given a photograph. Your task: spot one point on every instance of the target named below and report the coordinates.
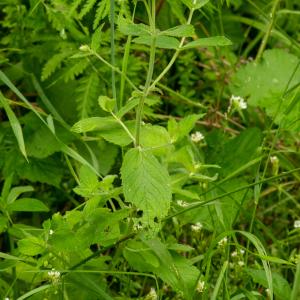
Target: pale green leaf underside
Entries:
(146, 185)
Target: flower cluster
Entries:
(223, 242)
(197, 137)
(54, 276)
(151, 295)
(297, 224)
(237, 102)
(182, 203)
(237, 256)
(200, 286)
(197, 227)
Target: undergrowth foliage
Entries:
(149, 149)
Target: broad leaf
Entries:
(281, 287)
(129, 28)
(266, 83)
(209, 42)
(180, 31)
(195, 4)
(146, 184)
(28, 204)
(164, 42)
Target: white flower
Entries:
(6, 298)
(54, 275)
(297, 224)
(152, 295)
(197, 227)
(223, 242)
(51, 231)
(242, 251)
(241, 263)
(84, 48)
(234, 254)
(274, 159)
(197, 137)
(200, 286)
(182, 203)
(237, 102)
(137, 227)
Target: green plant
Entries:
(154, 157)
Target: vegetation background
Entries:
(149, 149)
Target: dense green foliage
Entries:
(149, 149)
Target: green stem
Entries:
(269, 30)
(117, 70)
(112, 47)
(124, 126)
(175, 55)
(147, 88)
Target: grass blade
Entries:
(15, 125)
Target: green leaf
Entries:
(15, 192)
(164, 42)
(28, 204)
(88, 182)
(282, 289)
(106, 103)
(15, 124)
(186, 30)
(96, 38)
(208, 42)
(88, 92)
(156, 138)
(107, 127)
(31, 246)
(179, 130)
(265, 84)
(153, 256)
(195, 4)
(95, 123)
(129, 28)
(177, 10)
(146, 184)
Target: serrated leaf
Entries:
(88, 182)
(129, 28)
(146, 184)
(281, 287)
(96, 38)
(101, 12)
(155, 137)
(208, 42)
(31, 246)
(186, 30)
(28, 204)
(86, 8)
(195, 4)
(88, 92)
(106, 103)
(107, 127)
(53, 64)
(265, 84)
(95, 123)
(164, 42)
(179, 130)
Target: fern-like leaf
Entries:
(76, 69)
(74, 6)
(53, 64)
(88, 92)
(86, 8)
(102, 11)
